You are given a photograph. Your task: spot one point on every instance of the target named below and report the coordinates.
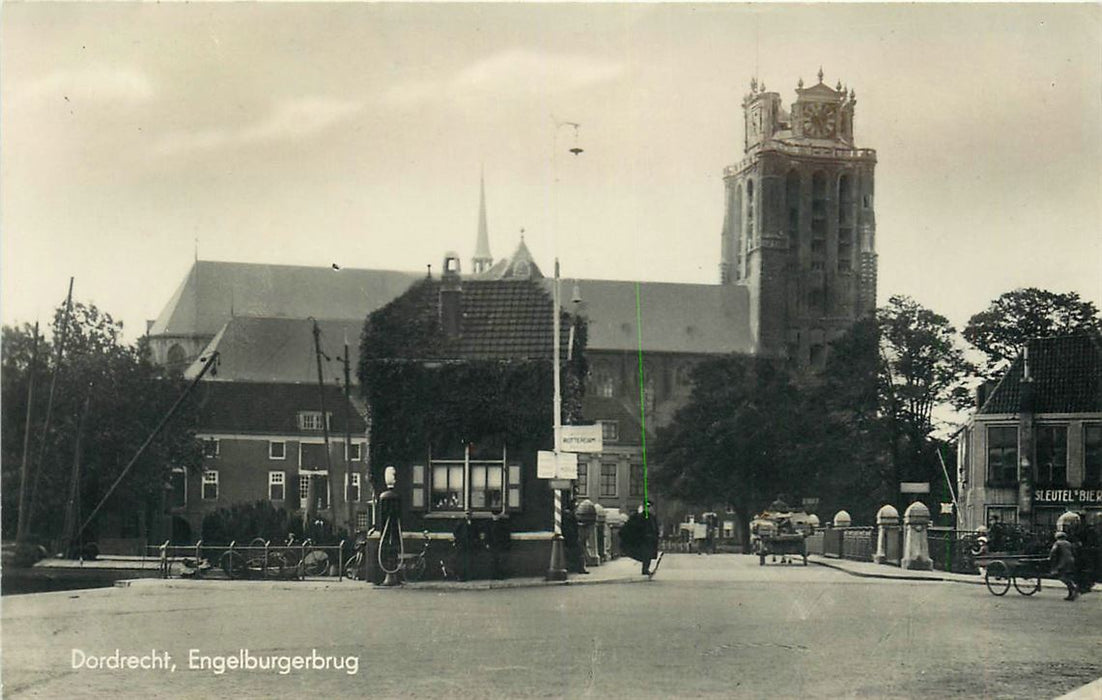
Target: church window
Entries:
(792, 201)
(749, 231)
(818, 219)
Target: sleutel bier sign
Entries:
(1067, 496)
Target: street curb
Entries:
(348, 584)
(893, 577)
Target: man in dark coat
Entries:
(572, 546)
(639, 536)
(1062, 558)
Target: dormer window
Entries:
(311, 420)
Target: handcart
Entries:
(1023, 571)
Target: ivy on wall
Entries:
(421, 399)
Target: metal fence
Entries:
(952, 550)
(256, 560)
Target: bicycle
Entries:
(412, 566)
(354, 566)
(237, 565)
(301, 559)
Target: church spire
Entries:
(482, 259)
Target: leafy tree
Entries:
(1009, 321)
(109, 394)
(736, 440)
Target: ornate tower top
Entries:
(821, 115)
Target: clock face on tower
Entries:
(819, 120)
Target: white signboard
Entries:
(914, 487)
(565, 467)
(582, 438)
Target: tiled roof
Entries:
(501, 319)
(214, 292)
(685, 318)
(1066, 373)
(244, 407)
(255, 349)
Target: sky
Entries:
(139, 136)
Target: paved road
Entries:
(717, 626)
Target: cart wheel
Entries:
(997, 578)
(1028, 585)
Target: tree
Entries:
(121, 397)
(924, 368)
(1003, 328)
(735, 441)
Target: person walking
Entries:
(1062, 558)
(639, 537)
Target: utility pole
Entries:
(348, 444)
(21, 529)
(41, 465)
(312, 503)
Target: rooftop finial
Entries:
(522, 234)
(800, 84)
(838, 86)
(820, 74)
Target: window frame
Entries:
(210, 478)
(466, 469)
(310, 417)
(999, 480)
(280, 482)
(357, 452)
(172, 488)
(612, 492)
(1092, 455)
(352, 482)
(610, 430)
(1047, 473)
(271, 449)
(207, 444)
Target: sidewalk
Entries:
(621, 570)
(868, 569)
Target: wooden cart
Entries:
(1003, 570)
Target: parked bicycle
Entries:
(413, 566)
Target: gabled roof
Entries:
(213, 292)
(501, 319)
(683, 318)
(1066, 374)
(519, 266)
(272, 408)
(255, 349)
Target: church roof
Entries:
(682, 318)
(1066, 374)
(213, 292)
(259, 349)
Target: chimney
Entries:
(451, 297)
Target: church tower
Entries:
(482, 260)
(799, 228)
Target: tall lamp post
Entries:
(556, 570)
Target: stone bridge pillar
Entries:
(887, 536)
(916, 546)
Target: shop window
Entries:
(277, 486)
(608, 479)
(471, 478)
(1052, 455)
(637, 481)
(486, 486)
(210, 485)
(277, 449)
(1092, 454)
(447, 487)
(1002, 455)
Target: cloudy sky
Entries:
(355, 133)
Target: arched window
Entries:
(748, 232)
(176, 358)
(845, 223)
(792, 202)
(818, 220)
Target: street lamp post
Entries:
(556, 571)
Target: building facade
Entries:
(1033, 449)
(799, 228)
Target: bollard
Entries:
(842, 519)
(601, 530)
(916, 546)
(586, 512)
(887, 536)
(1068, 522)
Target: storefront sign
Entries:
(914, 487)
(1060, 496)
(552, 466)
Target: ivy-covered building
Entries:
(457, 376)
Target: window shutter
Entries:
(512, 498)
(417, 488)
